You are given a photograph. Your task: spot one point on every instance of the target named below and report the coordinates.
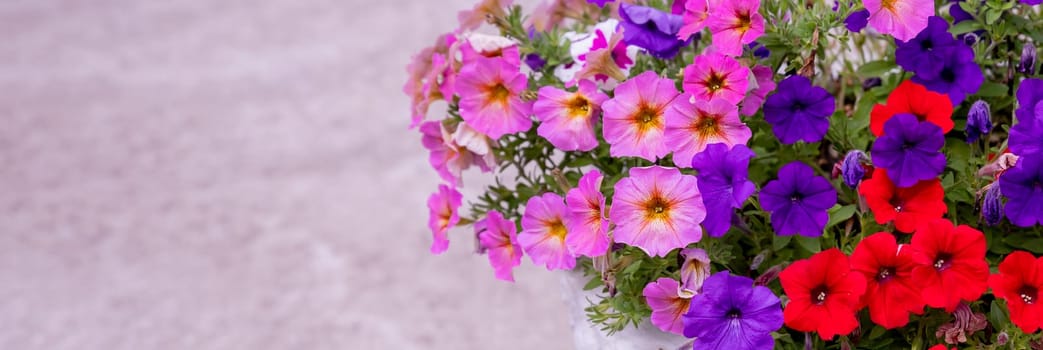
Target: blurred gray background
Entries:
(234, 174)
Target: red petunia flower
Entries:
(824, 294)
(891, 292)
(915, 99)
(950, 263)
(1020, 282)
(909, 207)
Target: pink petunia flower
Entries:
(478, 45)
(691, 126)
(765, 85)
(667, 305)
(443, 206)
(490, 97)
(568, 118)
(428, 78)
(588, 228)
(543, 232)
(452, 152)
(734, 24)
(716, 76)
(695, 14)
(634, 121)
(498, 239)
(903, 19)
(657, 209)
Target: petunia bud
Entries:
(694, 270)
(979, 121)
(992, 205)
(857, 20)
(1002, 338)
(770, 275)
(758, 260)
(871, 83)
(1028, 59)
(852, 169)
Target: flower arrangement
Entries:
(754, 175)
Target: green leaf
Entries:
(990, 89)
(812, 244)
(593, 283)
(838, 214)
(965, 27)
(992, 15)
(998, 315)
(1032, 245)
(876, 68)
(780, 242)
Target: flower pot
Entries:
(586, 335)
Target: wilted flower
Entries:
(694, 270)
(1027, 64)
(966, 322)
(992, 205)
(852, 169)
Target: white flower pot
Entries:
(588, 336)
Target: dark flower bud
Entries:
(852, 168)
(1002, 339)
(871, 83)
(1028, 59)
(759, 51)
(992, 205)
(770, 275)
(979, 121)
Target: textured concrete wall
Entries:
(233, 174)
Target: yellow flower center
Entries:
(578, 107)
(647, 117)
(557, 229)
(657, 207)
(498, 93)
(707, 126)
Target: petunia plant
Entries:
(752, 174)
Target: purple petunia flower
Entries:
(857, 20)
(852, 169)
(732, 313)
(759, 51)
(1031, 2)
(921, 54)
(910, 150)
(799, 110)
(600, 3)
(958, 77)
(798, 201)
(979, 121)
(651, 29)
(724, 184)
(1021, 186)
(992, 205)
(1026, 136)
(957, 12)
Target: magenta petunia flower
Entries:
(765, 85)
(484, 45)
(694, 17)
(657, 209)
(443, 206)
(662, 296)
(734, 24)
(691, 126)
(714, 76)
(588, 228)
(568, 118)
(543, 232)
(490, 97)
(498, 239)
(634, 121)
(903, 19)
